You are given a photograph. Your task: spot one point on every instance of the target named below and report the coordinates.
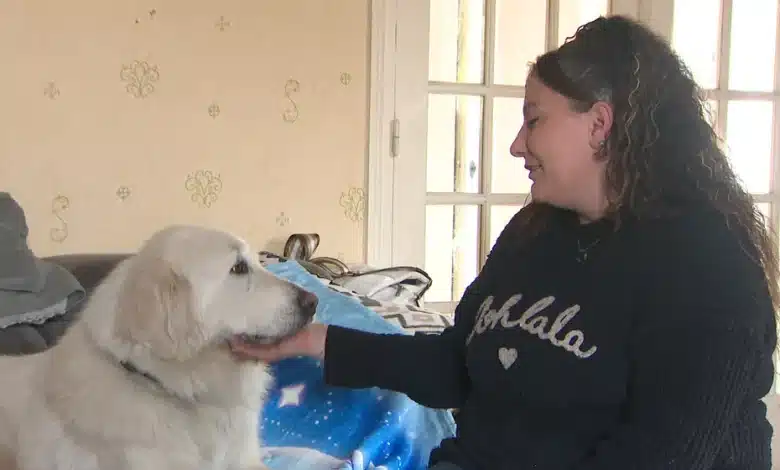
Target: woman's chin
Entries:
(537, 192)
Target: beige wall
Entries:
(121, 117)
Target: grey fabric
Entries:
(31, 290)
(21, 339)
(18, 269)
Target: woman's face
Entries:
(562, 150)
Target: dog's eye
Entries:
(241, 267)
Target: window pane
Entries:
(575, 13)
(521, 30)
(507, 173)
(749, 139)
(451, 250)
(696, 38)
(457, 41)
(454, 141)
(752, 54)
(499, 217)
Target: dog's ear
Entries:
(156, 307)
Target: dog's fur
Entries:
(144, 378)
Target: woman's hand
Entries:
(310, 341)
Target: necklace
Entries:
(582, 253)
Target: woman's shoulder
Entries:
(694, 233)
(699, 257)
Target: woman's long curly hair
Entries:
(661, 151)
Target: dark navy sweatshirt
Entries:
(590, 348)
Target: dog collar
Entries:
(132, 369)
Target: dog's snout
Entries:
(307, 302)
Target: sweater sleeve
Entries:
(701, 347)
(429, 369)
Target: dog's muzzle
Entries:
(305, 308)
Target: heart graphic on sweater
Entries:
(507, 357)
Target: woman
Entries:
(625, 318)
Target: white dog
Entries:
(145, 378)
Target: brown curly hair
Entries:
(661, 151)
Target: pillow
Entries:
(407, 316)
(413, 319)
(334, 308)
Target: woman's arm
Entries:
(701, 349)
(689, 383)
(430, 369)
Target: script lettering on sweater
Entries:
(534, 323)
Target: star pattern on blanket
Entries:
(358, 463)
(291, 395)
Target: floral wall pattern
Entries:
(121, 118)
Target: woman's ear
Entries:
(602, 117)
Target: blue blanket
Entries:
(309, 425)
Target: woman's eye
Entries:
(531, 122)
(241, 267)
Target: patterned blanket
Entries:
(308, 425)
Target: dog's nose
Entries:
(307, 302)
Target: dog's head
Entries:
(189, 288)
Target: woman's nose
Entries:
(518, 147)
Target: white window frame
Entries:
(379, 227)
(398, 74)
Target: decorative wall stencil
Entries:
(291, 113)
(123, 192)
(283, 219)
(59, 205)
(214, 110)
(152, 14)
(205, 186)
(140, 77)
(345, 79)
(222, 24)
(51, 91)
(354, 202)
